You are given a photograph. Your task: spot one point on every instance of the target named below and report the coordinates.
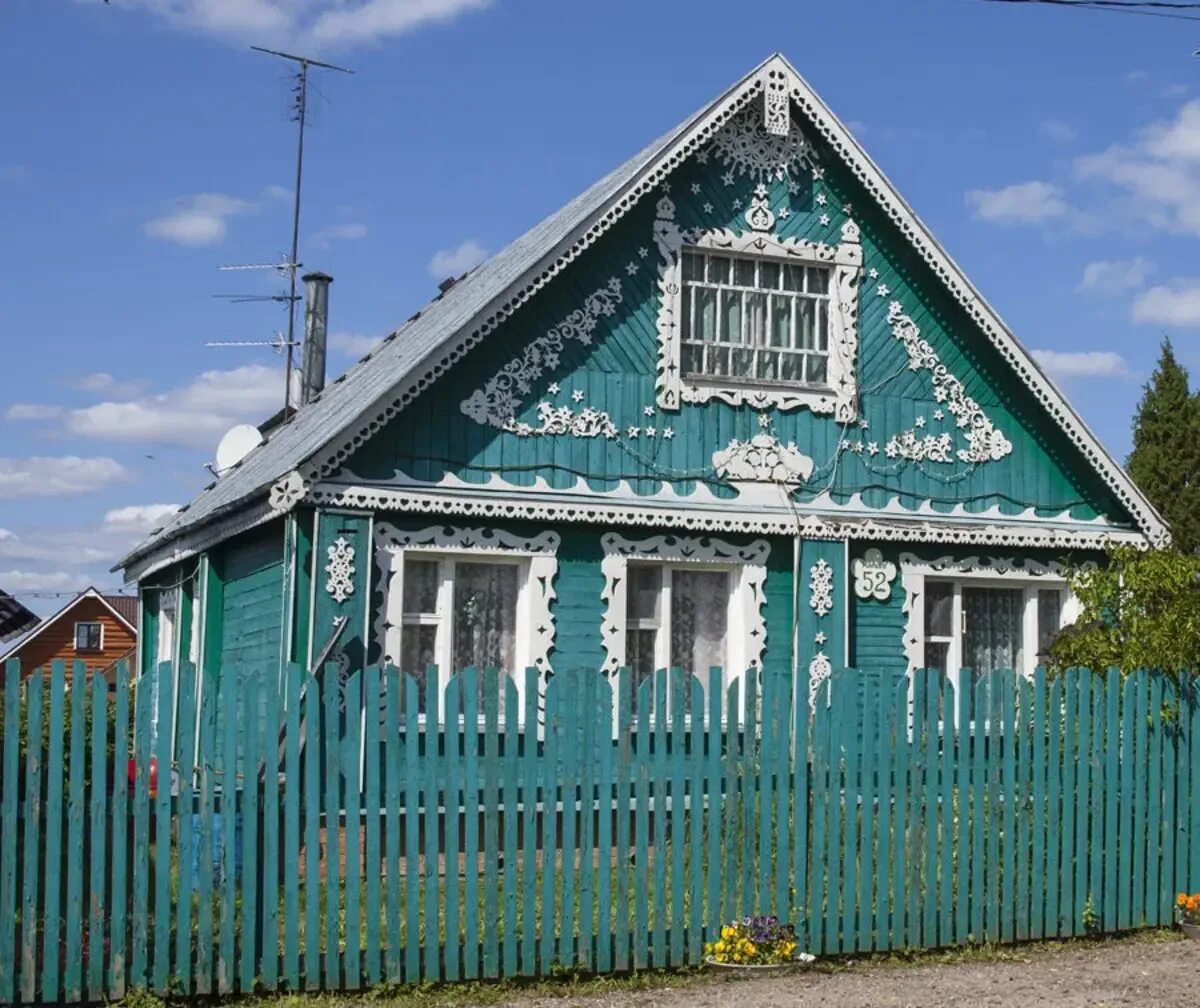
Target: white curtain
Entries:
(994, 630)
(699, 614)
(485, 617)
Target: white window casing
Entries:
(1028, 576)
(536, 561)
(746, 632)
(838, 395)
(89, 623)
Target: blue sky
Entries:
(1055, 153)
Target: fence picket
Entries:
(800, 791)
(510, 800)
(293, 791)
(312, 716)
(610, 804)
(72, 943)
(1008, 799)
(658, 742)
(411, 941)
(1097, 838)
(1083, 790)
(587, 790)
(371, 817)
(528, 756)
(266, 771)
(1023, 806)
(641, 803)
(697, 793)
(1112, 758)
(204, 878)
(1142, 759)
(677, 757)
(871, 730)
(471, 722)
(330, 690)
(946, 804)
(453, 732)
(231, 855)
(52, 832)
(430, 769)
(185, 762)
(490, 809)
(351, 760)
(624, 775)
(138, 976)
(1153, 801)
(252, 731)
(98, 827)
(393, 683)
(962, 783)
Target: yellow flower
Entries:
(727, 933)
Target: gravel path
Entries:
(1146, 974)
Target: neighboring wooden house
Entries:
(96, 629)
(733, 405)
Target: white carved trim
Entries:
(819, 671)
(1019, 571)
(500, 398)
(540, 551)
(772, 149)
(287, 492)
(672, 388)
(519, 506)
(820, 588)
(777, 105)
(762, 459)
(747, 634)
(984, 442)
(340, 570)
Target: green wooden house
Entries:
(733, 405)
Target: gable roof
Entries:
(114, 603)
(320, 435)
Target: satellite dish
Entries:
(238, 442)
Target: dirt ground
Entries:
(1148, 974)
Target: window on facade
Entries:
(972, 630)
(676, 617)
(457, 613)
(89, 637)
(754, 319)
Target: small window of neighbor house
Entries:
(89, 637)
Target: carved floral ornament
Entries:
(762, 459)
(340, 570)
(820, 588)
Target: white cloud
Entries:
(353, 344)
(1025, 203)
(277, 192)
(47, 581)
(139, 518)
(103, 382)
(305, 25)
(32, 411)
(5, 535)
(1057, 130)
(1089, 363)
(195, 414)
(1153, 179)
(339, 232)
(454, 262)
(1174, 304)
(198, 220)
(42, 476)
(1111, 277)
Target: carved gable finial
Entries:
(777, 118)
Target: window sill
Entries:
(711, 380)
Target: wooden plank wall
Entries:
(341, 837)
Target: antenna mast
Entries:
(292, 265)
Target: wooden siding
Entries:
(251, 605)
(57, 640)
(616, 373)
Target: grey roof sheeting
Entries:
(405, 350)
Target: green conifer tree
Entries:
(1165, 461)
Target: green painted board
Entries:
(185, 752)
(292, 869)
(864, 927)
(676, 813)
(252, 731)
(118, 890)
(962, 784)
(351, 753)
(72, 943)
(1155, 739)
(372, 970)
(511, 801)
(205, 882)
(454, 803)
(52, 843)
(1141, 714)
(1037, 873)
(412, 830)
(227, 775)
(529, 824)
(1053, 809)
(608, 802)
(164, 747)
(490, 810)
(393, 961)
(661, 815)
(314, 714)
(433, 774)
(331, 739)
(623, 773)
(271, 765)
(1008, 801)
(97, 829)
(32, 815)
(641, 822)
(471, 720)
(10, 754)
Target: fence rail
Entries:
(334, 835)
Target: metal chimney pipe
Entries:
(316, 331)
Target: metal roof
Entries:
(14, 617)
(352, 395)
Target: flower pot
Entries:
(1191, 931)
(761, 969)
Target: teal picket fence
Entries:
(216, 836)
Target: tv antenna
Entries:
(292, 265)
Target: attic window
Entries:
(89, 637)
(755, 319)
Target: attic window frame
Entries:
(89, 650)
(837, 396)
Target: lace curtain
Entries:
(994, 629)
(485, 617)
(699, 614)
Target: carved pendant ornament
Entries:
(820, 588)
(762, 459)
(340, 570)
(873, 576)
